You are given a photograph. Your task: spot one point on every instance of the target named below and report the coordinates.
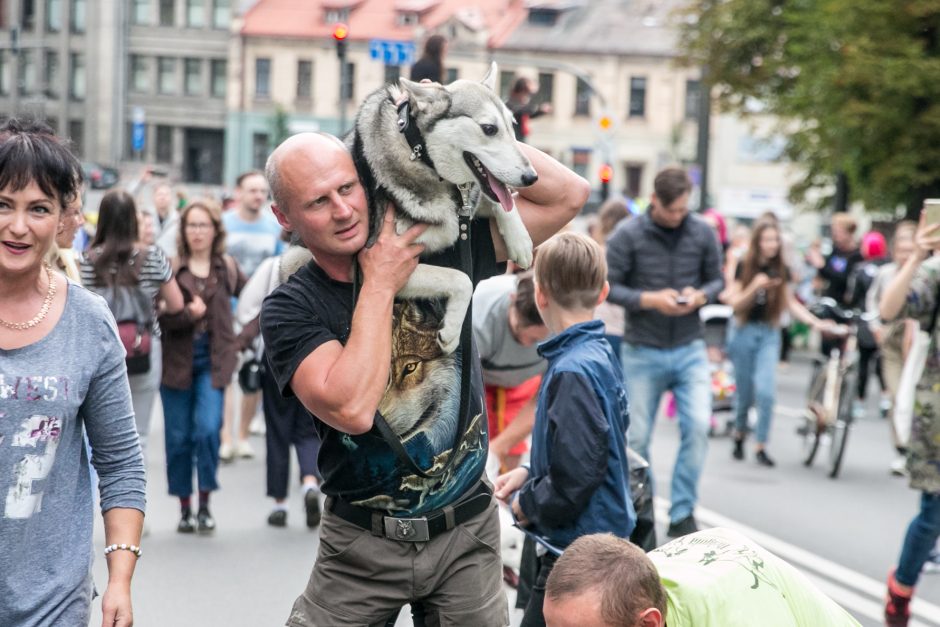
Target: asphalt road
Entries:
(844, 533)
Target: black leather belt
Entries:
(415, 528)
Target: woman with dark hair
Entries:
(431, 64)
(199, 358)
(116, 261)
(759, 296)
(62, 374)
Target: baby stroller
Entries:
(716, 319)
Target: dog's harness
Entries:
(410, 130)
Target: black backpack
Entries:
(133, 310)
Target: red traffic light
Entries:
(606, 173)
(340, 32)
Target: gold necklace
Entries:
(46, 303)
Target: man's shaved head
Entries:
(299, 146)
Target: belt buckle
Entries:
(407, 529)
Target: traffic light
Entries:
(605, 123)
(340, 33)
(606, 173)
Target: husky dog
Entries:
(462, 154)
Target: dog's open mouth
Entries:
(491, 186)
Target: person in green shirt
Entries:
(711, 578)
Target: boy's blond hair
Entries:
(570, 268)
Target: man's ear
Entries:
(651, 617)
(282, 218)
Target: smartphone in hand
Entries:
(932, 210)
(682, 300)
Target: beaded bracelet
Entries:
(125, 547)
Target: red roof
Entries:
(374, 19)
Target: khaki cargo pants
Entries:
(361, 580)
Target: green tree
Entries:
(280, 125)
(855, 84)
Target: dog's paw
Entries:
(520, 251)
(516, 237)
(448, 340)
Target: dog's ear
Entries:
(420, 95)
(490, 79)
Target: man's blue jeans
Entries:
(921, 537)
(193, 419)
(650, 372)
(754, 348)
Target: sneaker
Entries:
(226, 452)
(312, 507)
(257, 425)
(278, 518)
(682, 527)
(858, 410)
(897, 605)
(738, 452)
(187, 523)
(764, 459)
(244, 450)
(884, 406)
(899, 466)
(204, 521)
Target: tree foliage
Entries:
(855, 84)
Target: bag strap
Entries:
(231, 272)
(466, 364)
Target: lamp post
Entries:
(340, 33)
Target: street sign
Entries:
(392, 52)
(138, 130)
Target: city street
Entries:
(845, 534)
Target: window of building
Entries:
(262, 78)
(27, 77)
(392, 74)
(28, 15)
(140, 12)
(346, 91)
(54, 16)
(580, 160)
(582, 98)
(77, 77)
(166, 75)
(195, 13)
(334, 16)
(52, 73)
(634, 172)
(77, 19)
(637, 97)
(164, 143)
(217, 79)
(192, 77)
(77, 137)
(304, 80)
(693, 93)
(6, 69)
(222, 14)
(167, 12)
(259, 150)
(140, 74)
(407, 18)
(543, 17)
(546, 91)
(452, 75)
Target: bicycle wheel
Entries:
(840, 428)
(811, 430)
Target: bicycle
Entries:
(828, 416)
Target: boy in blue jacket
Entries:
(578, 482)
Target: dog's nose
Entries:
(529, 178)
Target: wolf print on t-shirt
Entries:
(422, 405)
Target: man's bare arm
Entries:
(548, 205)
(343, 385)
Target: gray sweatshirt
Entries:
(642, 257)
(74, 377)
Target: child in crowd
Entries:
(578, 482)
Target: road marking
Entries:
(817, 568)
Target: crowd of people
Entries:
(562, 369)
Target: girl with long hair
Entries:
(759, 296)
(114, 259)
(200, 356)
(431, 64)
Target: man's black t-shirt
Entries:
(311, 309)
